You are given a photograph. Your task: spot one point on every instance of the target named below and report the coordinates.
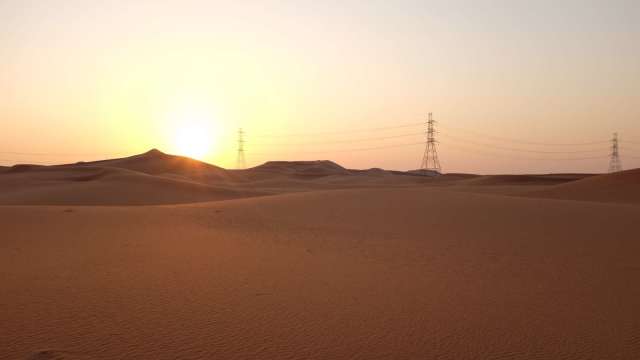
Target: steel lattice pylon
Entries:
(430, 159)
(240, 162)
(615, 164)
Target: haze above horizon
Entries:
(515, 87)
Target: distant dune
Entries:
(155, 178)
(325, 174)
(550, 179)
(621, 187)
(92, 185)
(158, 178)
(301, 169)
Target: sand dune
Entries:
(319, 167)
(158, 178)
(288, 176)
(419, 273)
(91, 185)
(621, 187)
(155, 162)
(393, 266)
(551, 179)
(296, 170)
(351, 179)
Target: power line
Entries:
(342, 141)
(492, 154)
(349, 131)
(525, 141)
(455, 138)
(430, 152)
(445, 143)
(351, 150)
(366, 149)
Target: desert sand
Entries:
(163, 257)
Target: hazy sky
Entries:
(82, 79)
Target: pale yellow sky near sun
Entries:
(81, 80)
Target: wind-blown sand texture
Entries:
(388, 266)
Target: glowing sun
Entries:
(193, 141)
(193, 132)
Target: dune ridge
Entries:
(155, 162)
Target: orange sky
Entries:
(83, 80)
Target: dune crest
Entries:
(155, 162)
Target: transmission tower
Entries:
(430, 158)
(614, 163)
(240, 164)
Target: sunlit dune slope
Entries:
(622, 187)
(420, 273)
(93, 185)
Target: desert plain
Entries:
(157, 256)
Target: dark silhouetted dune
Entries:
(620, 187)
(316, 168)
(155, 162)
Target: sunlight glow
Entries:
(193, 131)
(192, 141)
